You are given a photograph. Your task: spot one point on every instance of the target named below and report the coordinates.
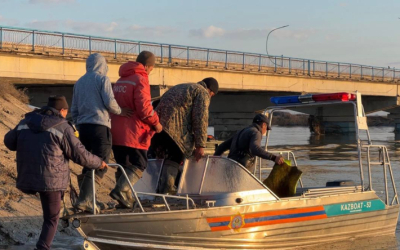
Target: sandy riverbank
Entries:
(21, 214)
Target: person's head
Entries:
(59, 103)
(96, 63)
(212, 85)
(148, 60)
(263, 122)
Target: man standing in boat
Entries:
(245, 145)
(132, 135)
(183, 112)
(93, 101)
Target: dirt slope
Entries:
(21, 214)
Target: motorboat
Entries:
(219, 204)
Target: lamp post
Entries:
(269, 33)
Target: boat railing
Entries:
(136, 194)
(289, 156)
(384, 161)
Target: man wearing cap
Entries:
(183, 113)
(245, 145)
(45, 142)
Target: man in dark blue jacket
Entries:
(45, 142)
(245, 145)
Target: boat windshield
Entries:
(217, 175)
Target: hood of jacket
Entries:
(96, 63)
(132, 68)
(43, 119)
(258, 127)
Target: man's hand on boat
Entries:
(279, 160)
(198, 153)
(103, 165)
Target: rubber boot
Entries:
(168, 177)
(85, 199)
(100, 205)
(122, 191)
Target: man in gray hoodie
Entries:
(93, 100)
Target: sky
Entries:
(363, 32)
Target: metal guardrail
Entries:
(68, 43)
(135, 194)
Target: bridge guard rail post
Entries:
(161, 53)
(169, 54)
(226, 59)
(187, 59)
(33, 40)
(350, 70)
(372, 73)
(208, 54)
(63, 43)
(90, 45)
(115, 49)
(326, 69)
(394, 73)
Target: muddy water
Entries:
(322, 159)
(328, 158)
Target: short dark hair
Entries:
(57, 102)
(146, 58)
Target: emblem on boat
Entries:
(237, 222)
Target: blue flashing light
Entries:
(285, 99)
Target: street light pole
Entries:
(266, 43)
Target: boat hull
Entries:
(270, 225)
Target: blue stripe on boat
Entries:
(219, 224)
(284, 216)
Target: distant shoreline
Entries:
(285, 119)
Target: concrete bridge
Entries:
(51, 62)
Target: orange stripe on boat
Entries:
(221, 228)
(218, 219)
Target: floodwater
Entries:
(322, 159)
(334, 157)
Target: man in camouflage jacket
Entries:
(183, 113)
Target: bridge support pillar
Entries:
(332, 125)
(396, 118)
(157, 90)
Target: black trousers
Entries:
(97, 140)
(129, 158)
(163, 147)
(51, 201)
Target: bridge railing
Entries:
(73, 44)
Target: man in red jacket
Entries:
(131, 136)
